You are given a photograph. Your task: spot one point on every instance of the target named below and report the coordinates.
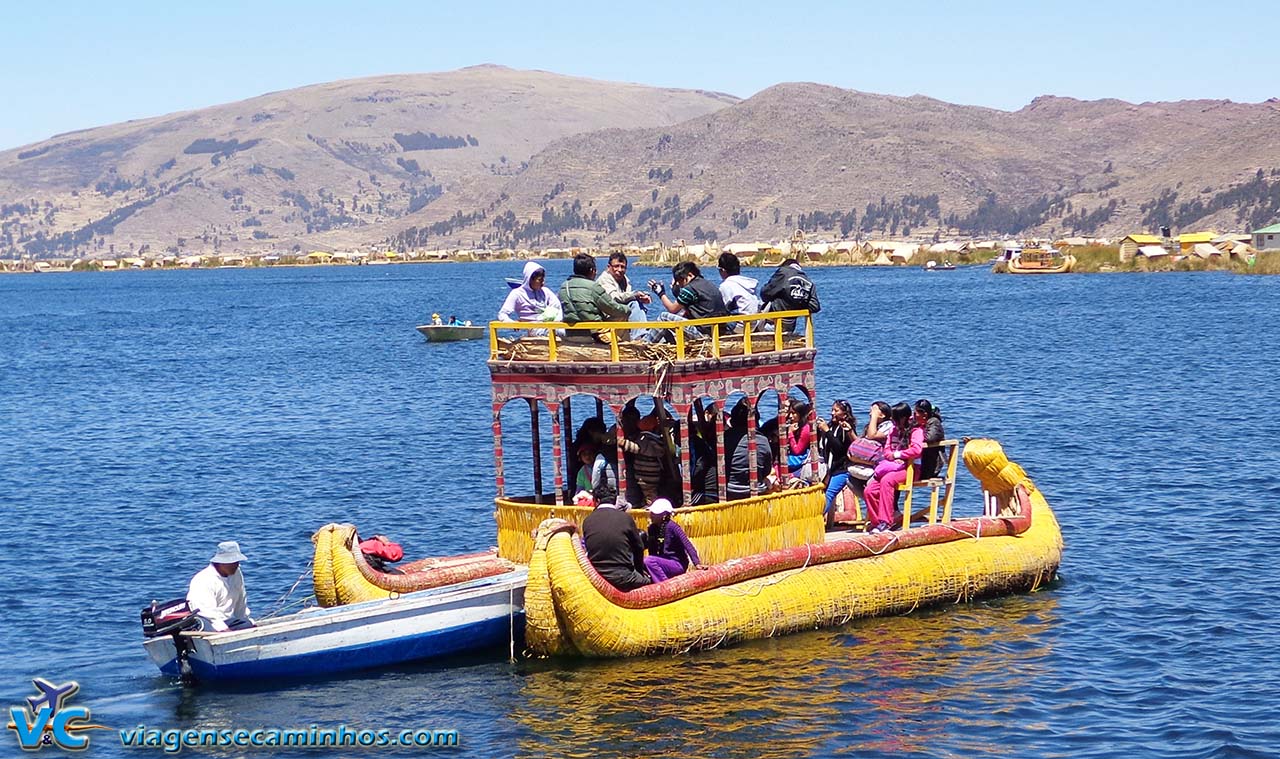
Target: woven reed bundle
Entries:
(341, 575)
(986, 461)
(538, 349)
(720, 531)
(349, 585)
(568, 613)
(517, 522)
(542, 630)
(322, 568)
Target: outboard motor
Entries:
(172, 618)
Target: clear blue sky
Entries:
(66, 66)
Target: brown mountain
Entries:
(841, 162)
(329, 165)
(491, 156)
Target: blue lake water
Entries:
(145, 416)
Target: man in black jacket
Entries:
(790, 289)
(615, 546)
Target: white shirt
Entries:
(614, 289)
(218, 598)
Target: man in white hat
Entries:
(217, 591)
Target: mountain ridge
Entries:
(493, 156)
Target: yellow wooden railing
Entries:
(747, 323)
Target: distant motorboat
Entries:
(449, 333)
(513, 282)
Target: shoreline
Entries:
(1088, 261)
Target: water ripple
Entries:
(147, 416)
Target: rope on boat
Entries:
(773, 579)
(661, 378)
(511, 624)
(280, 604)
(975, 535)
(872, 551)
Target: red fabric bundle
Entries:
(382, 548)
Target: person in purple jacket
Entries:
(670, 551)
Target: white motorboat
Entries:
(479, 615)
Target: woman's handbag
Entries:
(864, 450)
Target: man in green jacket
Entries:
(584, 300)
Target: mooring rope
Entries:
(280, 604)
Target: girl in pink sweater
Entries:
(904, 444)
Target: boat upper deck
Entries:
(761, 337)
(599, 356)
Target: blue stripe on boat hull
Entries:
(491, 633)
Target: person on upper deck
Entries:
(790, 289)
(532, 301)
(905, 443)
(737, 468)
(584, 299)
(615, 283)
(737, 290)
(931, 460)
(670, 550)
(694, 298)
(615, 546)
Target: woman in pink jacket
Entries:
(904, 444)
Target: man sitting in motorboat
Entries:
(217, 592)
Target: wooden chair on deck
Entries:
(936, 485)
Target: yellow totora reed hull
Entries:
(1068, 264)
(721, 531)
(569, 611)
(341, 575)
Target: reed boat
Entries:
(774, 568)
(1034, 261)
(571, 610)
(342, 575)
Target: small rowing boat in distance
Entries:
(446, 333)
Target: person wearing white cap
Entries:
(670, 550)
(217, 592)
